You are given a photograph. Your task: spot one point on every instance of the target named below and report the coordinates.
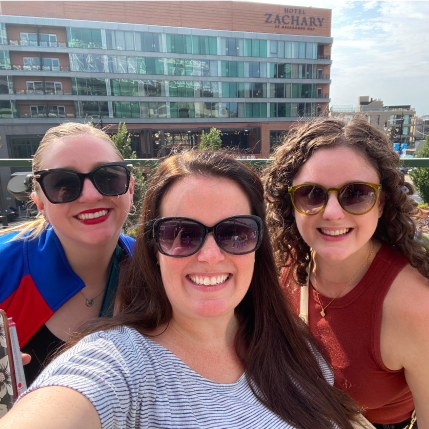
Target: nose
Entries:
(89, 192)
(333, 210)
(210, 252)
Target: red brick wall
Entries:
(220, 15)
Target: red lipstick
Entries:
(95, 220)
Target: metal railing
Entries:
(153, 163)
(43, 44)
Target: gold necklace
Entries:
(338, 294)
(90, 301)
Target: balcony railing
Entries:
(323, 76)
(34, 43)
(33, 67)
(323, 57)
(322, 96)
(40, 92)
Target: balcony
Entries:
(34, 67)
(323, 57)
(34, 43)
(323, 77)
(322, 96)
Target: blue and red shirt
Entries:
(36, 279)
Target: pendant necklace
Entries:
(90, 301)
(338, 294)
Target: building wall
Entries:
(219, 15)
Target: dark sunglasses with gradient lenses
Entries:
(180, 236)
(62, 185)
(356, 198)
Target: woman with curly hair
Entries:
(344, 240)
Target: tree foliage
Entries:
(210, 141)
(122, 141)
(420, 175)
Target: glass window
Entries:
(247, 47)
(295, 50)
(301, 50)
(53, 88)
(213, 68)
(28, 39)
(255, 48)
(3, 35)
(288, 50)
(273, 49)
(48, 40)
(31, 63)
(259, 90)
(132, 64)
(121, 64)
(84, 38)
(277, 90)
(254, 69)
(213, 45)
(189, 67)
(4, 60)
(34, 87)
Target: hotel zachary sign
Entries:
(294, 19)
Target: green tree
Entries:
(122, 141)
(420, 175)
(211, 141)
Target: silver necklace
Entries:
(90, 301)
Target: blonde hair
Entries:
(65, 130)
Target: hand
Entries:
(26, 358)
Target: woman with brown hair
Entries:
(202, 337)
(337, 210)
(62, 269)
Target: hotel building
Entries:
(168, 69)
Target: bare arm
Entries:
(52, 408)
(405, 336)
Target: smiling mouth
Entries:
(209, 281)
(336, 232)
(85, 216)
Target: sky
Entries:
(380, 49)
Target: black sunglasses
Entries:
(180, 236)
(63, 185)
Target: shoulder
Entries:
(12, 265)
(128, 242)
(406, 310)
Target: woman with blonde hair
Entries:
(62, 269)
(344, 239)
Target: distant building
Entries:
(383, 117)
(168, 69)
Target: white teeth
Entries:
(85, 216)
(336, 232)
(209, 281)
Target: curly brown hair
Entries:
(395, 227)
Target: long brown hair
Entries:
(281, 358)
(395, 227)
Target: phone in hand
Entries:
(12, 379)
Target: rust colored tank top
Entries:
(350, 332)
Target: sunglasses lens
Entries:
(180, 237)
(238, 235)
(61, 186)
(357, 198)
(309, 199)
(111, 180)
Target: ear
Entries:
(40, 205)
(131, 189)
